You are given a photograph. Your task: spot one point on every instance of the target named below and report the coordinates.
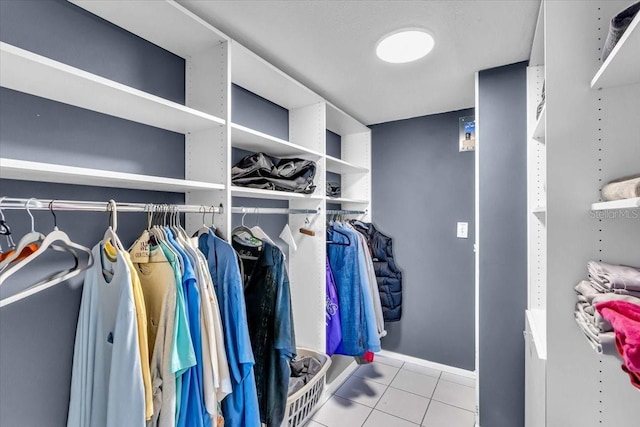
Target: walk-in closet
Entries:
(276, 213)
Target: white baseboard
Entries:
(428, 364)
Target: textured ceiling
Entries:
(330, 47)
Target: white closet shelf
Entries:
(341, 123)
(254, 74)
(173, 27)
(339, 166)
(539, 130)
(346, 200)
(538, 321)
(633, 203)
(37, 75)
(622, 66)
(255, 141)
(47, 172)
(257, 193)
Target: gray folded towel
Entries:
(623, 188)
(587, 291)
(617, 27)
(603, 342)
(614, 277)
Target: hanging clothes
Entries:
(270, 319)
(141, 323)
(388, 275)
(357, 314)
(107, 387)
(159, 280)
(333, 326)
(240, 408)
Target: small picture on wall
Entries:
(467, 128)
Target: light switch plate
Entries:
(463, 230)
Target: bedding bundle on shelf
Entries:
(608, 313)
(622, 188)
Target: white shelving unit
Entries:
(617, 205)
(258, 193)
(28, 72)
(339, 166)
(538, 131)
(212, 63)
(46, 172)
(622, 66)
(252, 140)
(588, 143)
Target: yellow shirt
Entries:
(141, 317)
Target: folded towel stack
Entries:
(624, 316)
(623, 188)
(617, 27)
(610, 286)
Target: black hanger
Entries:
(335, 230)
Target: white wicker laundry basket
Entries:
(301, 404)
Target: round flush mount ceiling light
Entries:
(404, 46)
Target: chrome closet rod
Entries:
(93, 206)
(345, 212)
(282, 211)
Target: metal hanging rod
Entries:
(345, 212)
(283, 211)
(92, 206)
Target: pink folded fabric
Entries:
(625, 319)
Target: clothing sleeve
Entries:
(126, 401)
(81, 372)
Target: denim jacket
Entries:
(270, 319)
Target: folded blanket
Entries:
(588, 290)
(603, 342)
(625, 319)
(617, 27)
(623, 188)
(610, 277)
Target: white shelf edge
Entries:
(340, 166)
(538, 322)
(616, 204)
(237, 191)
(62, 174)
(342, 123)
(249, 139)
(253, 73)
(28, 72)
(536, 57)
(345, 200)
(616, 70)
(173, 27)
(539, 210)
(539, 130)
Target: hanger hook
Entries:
(2, 213)
(55, 219)
(33, 222)
(113, 215)
(5, 229)
(213, 214)
(204, 212)
(244, 213)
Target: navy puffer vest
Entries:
(388, 274)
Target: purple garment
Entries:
(334, 328)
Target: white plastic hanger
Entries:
(56, 236)
(28, 239)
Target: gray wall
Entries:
(503, 244)
(422, 186)
(37, 334)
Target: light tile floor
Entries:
(392, 393)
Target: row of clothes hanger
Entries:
(32, 246)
